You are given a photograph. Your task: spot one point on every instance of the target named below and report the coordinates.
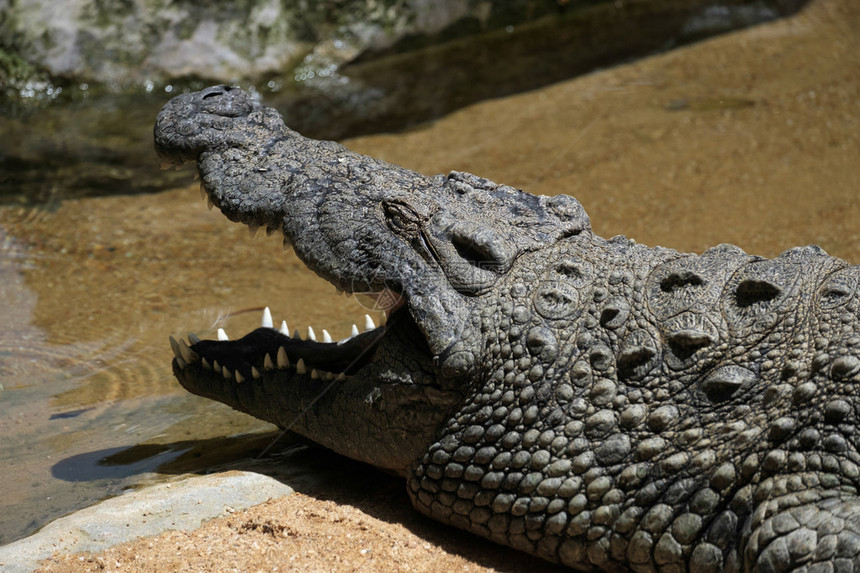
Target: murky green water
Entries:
(91, 287)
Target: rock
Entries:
(163, 39)
(182, 504)
(157, 41)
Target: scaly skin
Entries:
(594, 402)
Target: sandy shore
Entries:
(751, 138)
(302, 533)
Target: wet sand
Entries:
(751, 138)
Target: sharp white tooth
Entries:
(300, 367)
(267, 319)
(181, 363)
(283, 359)
(222, 336)
(326, 336)
(285, 330)
(193, 338)
(267, 363)
(226, 373)
(252, 230)
(209, 204)
(314, 374)
(354, 331)
(239, 377)
(205, 364)
(340, 377)
(297, 335)
(202, 191)
(175, 347)
(311, 335)
(188, 355)
(368, 323)
(255, 373)
(215, 366)
(327, 376)
(184, 351)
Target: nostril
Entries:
(216, 91)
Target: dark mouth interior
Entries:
(267, 348)
(251, 350)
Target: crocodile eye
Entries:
(480, 249)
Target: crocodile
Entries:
(594, 402)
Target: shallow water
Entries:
(93, 290)
(687, 150)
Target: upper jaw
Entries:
(360, 223)
(328, 201)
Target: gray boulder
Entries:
(183, 504)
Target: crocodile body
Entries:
(591, 401)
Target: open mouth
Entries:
(380, 381)
(268, 349)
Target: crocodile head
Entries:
(433, 247)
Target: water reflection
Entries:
(90, 292)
